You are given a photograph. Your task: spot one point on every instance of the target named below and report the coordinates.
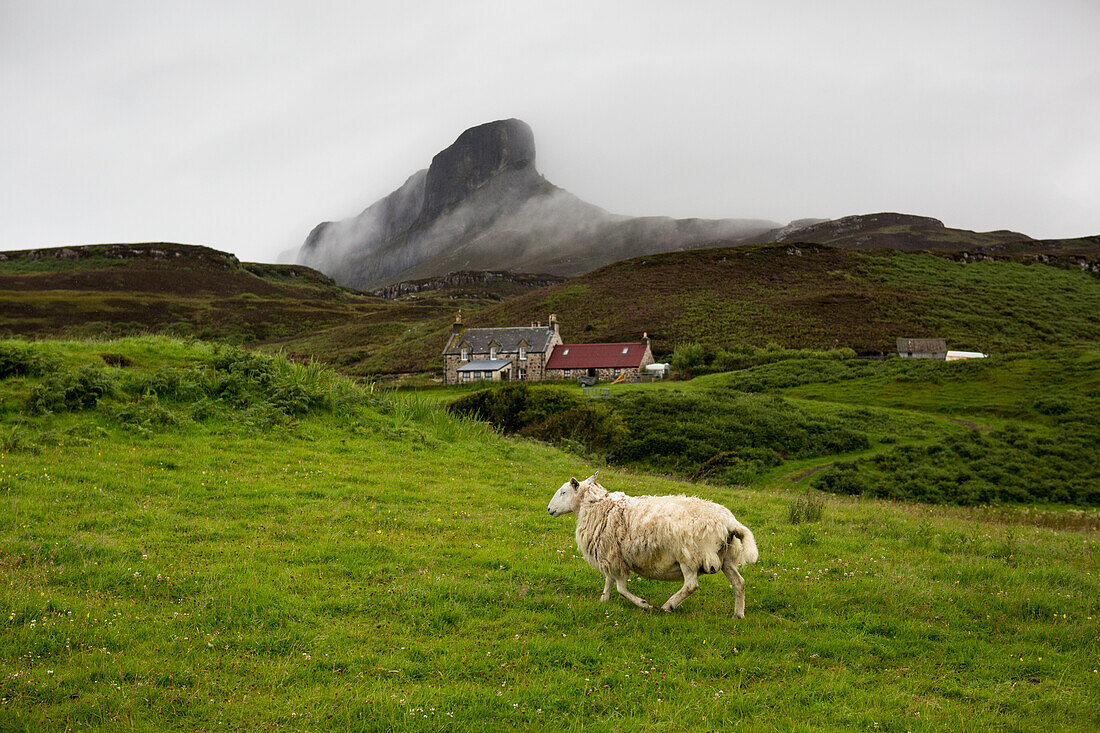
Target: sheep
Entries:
(659, 537)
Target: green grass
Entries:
(388, 566)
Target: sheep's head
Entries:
(566, 498)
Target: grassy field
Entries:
(363, 560)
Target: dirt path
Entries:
(795, 478)
(969, 423)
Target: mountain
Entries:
(482, 205)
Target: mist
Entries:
(242, 126)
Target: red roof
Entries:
(594, 356)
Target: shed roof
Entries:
(595, 356)
(485, 365)
(509, 339)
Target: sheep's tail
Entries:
(749, 553)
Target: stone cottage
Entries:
(475, 354)
(606, 362)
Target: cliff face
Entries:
(473, 160)
(482, 205)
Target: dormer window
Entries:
(493, 351)
(465, 352)
(522, 352)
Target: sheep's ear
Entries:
(574, 482)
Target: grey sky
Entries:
(241, 125)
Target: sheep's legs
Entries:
(608, 584)
(738, 585)
(620, 585)
(691, 583)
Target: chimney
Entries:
(554, 323)
(456, 327)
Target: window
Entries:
(618, 372)
(488, 375)
(493, 352)
(565, 372)
(465, 376)
(522, 353)
(465, 353)
(565, 353)
(523, 373)
(626, 349)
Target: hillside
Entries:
(119, 289)
(483, 205)
(188, 290)
(798, 296)
(204, 538)
(888, 230)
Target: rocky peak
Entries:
(478, 155)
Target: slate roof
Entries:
(922, 346)
(484, 365)
(596, 356)
(537, 338)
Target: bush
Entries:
(723, 436)
(693, 359)
(265, 389)
(552, 414)
(71, 389)
(1011, 465)
(843, 478)
(18, 360)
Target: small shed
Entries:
(922, 348)
(485, 369)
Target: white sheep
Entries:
(659, 537)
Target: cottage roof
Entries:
(596, 356)
(923, 346)
(537, 339)
(484, 365)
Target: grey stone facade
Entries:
(527, 347)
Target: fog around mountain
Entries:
(483, 205)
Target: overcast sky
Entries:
(240, 125)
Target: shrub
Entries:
(843, 478)
(552, 414)
(688, 359)
(723, 436)
(71, 389)
(18, 360)
(1011, 465)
